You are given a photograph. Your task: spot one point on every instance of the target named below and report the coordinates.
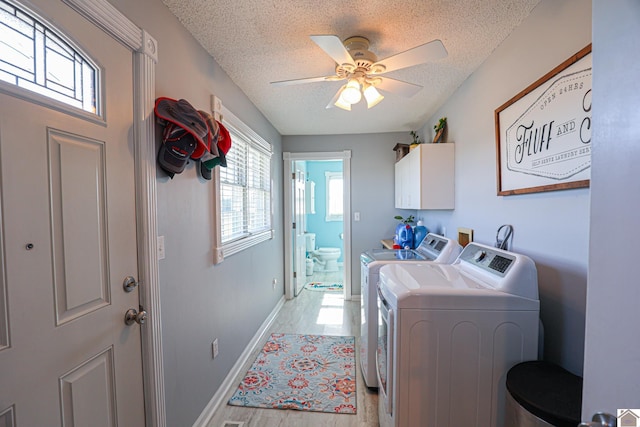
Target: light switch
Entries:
(356, 216)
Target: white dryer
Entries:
(434, 249)
(450, 333)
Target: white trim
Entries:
(230, 380)
(230, 119)
(289, 158)
(145, 48)
(289, 281)
(233, 123)
(147, 228)
(105, 16)
(239, 245)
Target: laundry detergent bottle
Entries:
(405, 237)
(419, 233)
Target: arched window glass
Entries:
(34, 57)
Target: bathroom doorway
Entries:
(317, 220)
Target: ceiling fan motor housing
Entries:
(363, 58)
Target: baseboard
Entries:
(229, 381)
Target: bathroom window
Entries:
(334, 196)
(243, 189)
(34, 59)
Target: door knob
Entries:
(129, 283)
(601, 419)
(132, 315)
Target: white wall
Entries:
(612, 349)
(551, 227)
(201, 301)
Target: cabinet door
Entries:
(398, 185)
(411, 179)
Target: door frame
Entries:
(144, 49)
(298, 265)
(289, 158)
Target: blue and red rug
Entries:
(302, 372)
(324, 286)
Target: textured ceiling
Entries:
(260, 41)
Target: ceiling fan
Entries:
(360, 67)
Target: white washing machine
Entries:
(434, 248)
(450, 333)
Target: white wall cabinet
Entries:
(425, 178)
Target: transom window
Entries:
(34, 57)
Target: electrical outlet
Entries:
(214, 348)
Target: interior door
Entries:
(299, 238)
(69, 241)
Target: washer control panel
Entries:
(493, 261)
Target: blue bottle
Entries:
(405, 237)
(396, 238)
(419, 233)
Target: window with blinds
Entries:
(244, 189)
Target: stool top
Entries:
(548, 391)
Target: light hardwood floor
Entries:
(312, 312)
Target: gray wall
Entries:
(201, 301)
(551, 227)
(372, 184)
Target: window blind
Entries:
(245, 188)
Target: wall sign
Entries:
(543, 134)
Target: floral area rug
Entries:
(324, 286)
(303, 372)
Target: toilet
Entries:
(325, 258)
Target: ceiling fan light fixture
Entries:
(351, 93)
(372, 96)
(340, 103)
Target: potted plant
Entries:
(439, 129)
(416, 140)
(407, 220)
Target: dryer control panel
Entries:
(493, 261)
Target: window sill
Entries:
(239, 245)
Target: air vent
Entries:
(363, 63)
(233, 424)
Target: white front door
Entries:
(300, 277)
(69, 241)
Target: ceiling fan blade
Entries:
(398, 87)
(418, 55)
(307, 80)
(334, 47)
